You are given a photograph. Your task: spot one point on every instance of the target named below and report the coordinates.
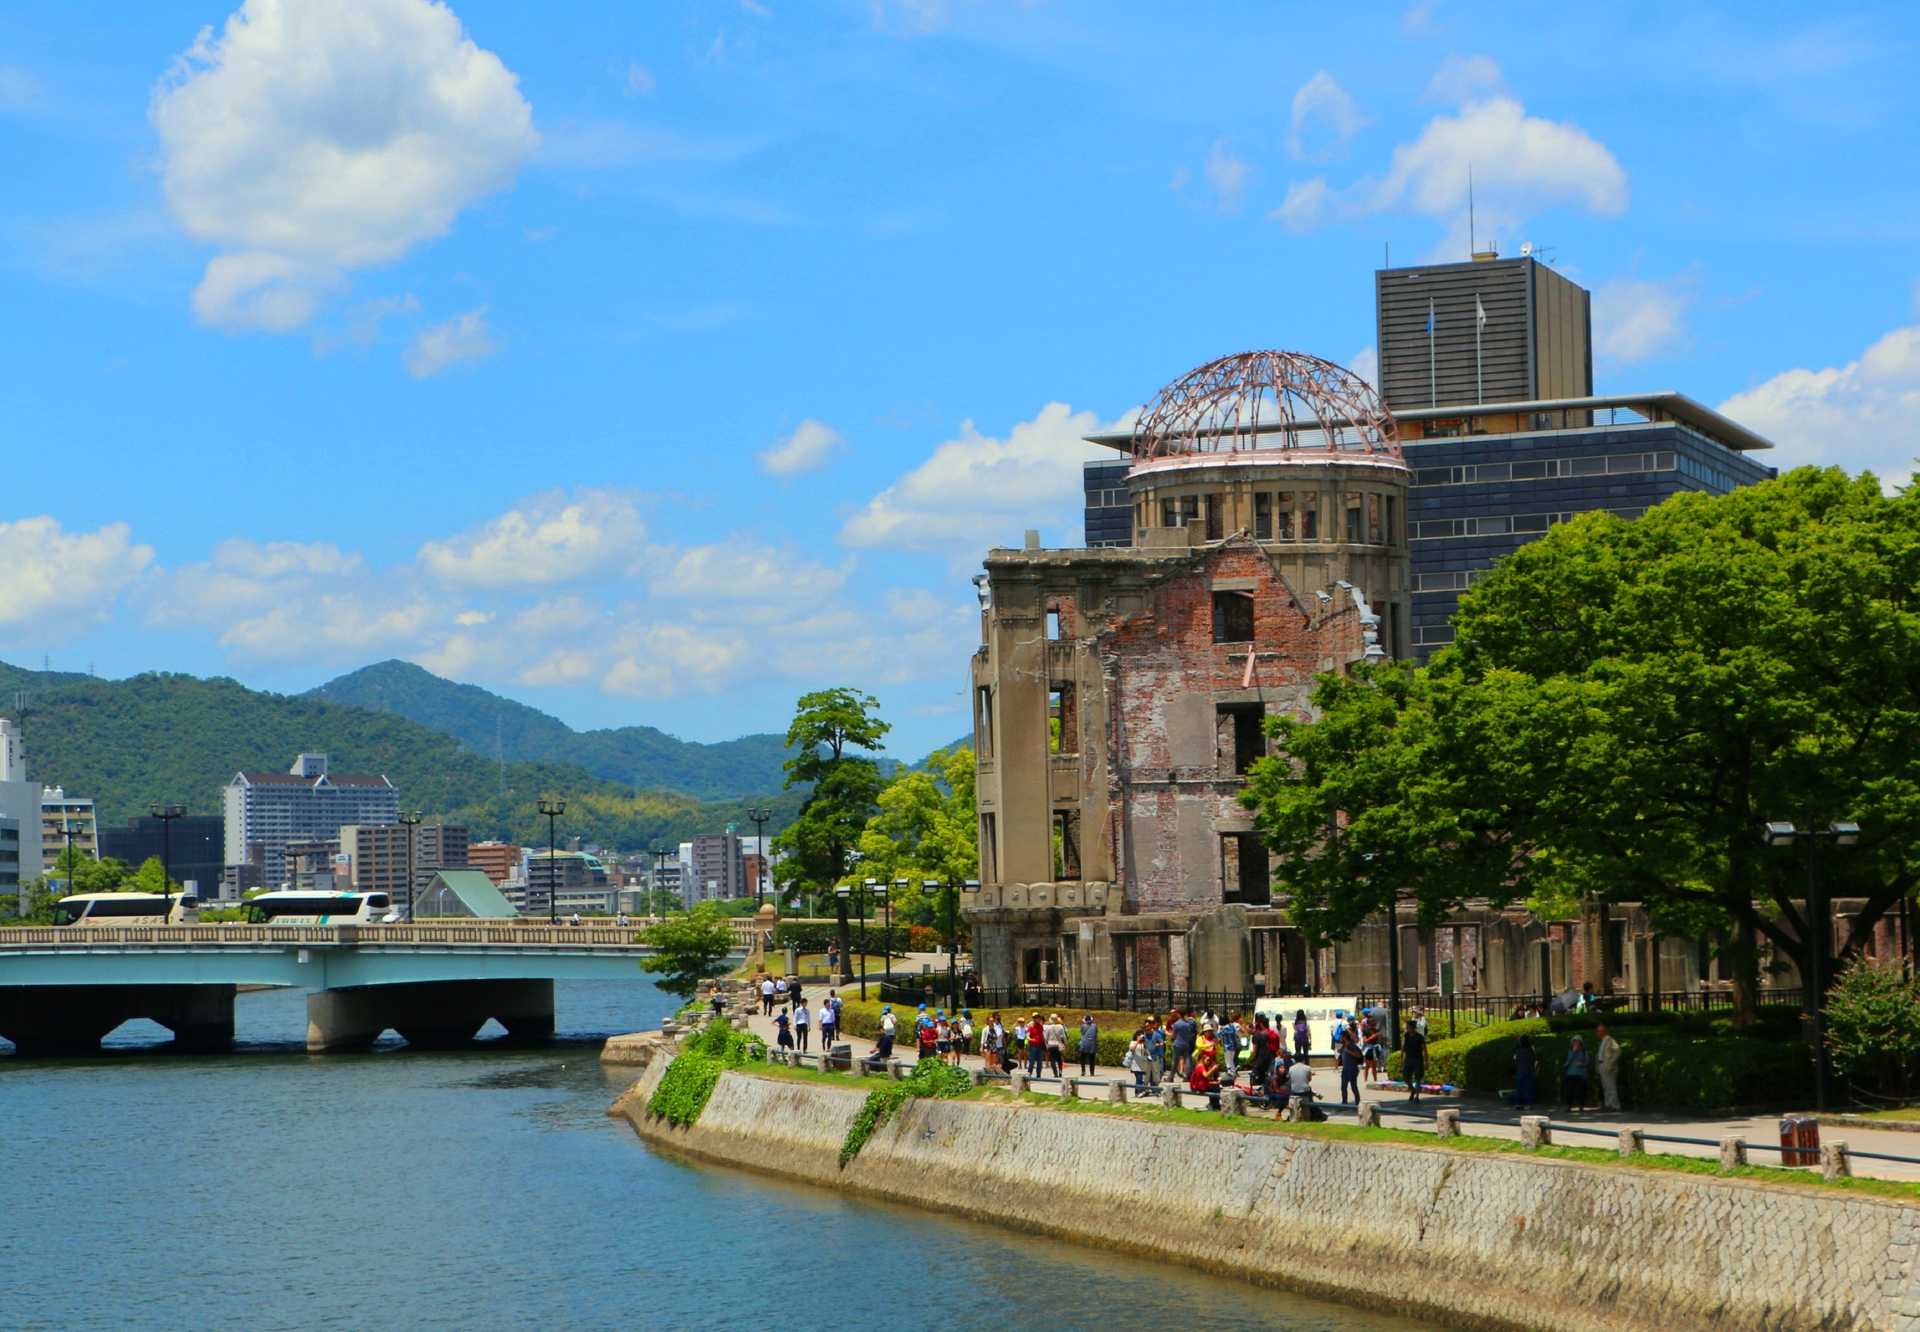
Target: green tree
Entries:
(1627, 703)
(827, 724)
(926, 830)
(1873, 1026)
(92, 876)
(688, 949)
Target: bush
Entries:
(1668, 1060)
(929, 1078)
(690, 1079)
(814, 936)
(1873, 1026)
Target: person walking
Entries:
(963, 1036)
(766, 995)
(1139, 1058)
(833, 968)
(829, 1021)
(1089, 1045)
(1056, 1045)
(779, 991)
(802, 1025)
(1262, 1052)
(1230, 1048)
(1576, 1070)
(1182, 1034)
(1036, 1034)
(1607, 1058)
(883, 1048)
(1349, 1051)
(1413, 1060)
(1302, 1035)
(1156, 1052)
(784, 1026)
(1526, 1063)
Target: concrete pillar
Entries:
(1833, 1161)
(1017, 1080)
(1232, 1103)
(1169, 1096)
(1733, 1153)
(894, 1071)
(1369, 1114)
(72, 1019)
(1632, 1141)
(428, 1014)
(1535, 1132)
(822, 1063)
(1117, 1091)
(1446, 1123)
(976, 1077)
(1069, 1088)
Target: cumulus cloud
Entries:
(977, 490)
(1637, 318)
(1228, 176)
(1325, 119)
(812, 445)
(55, 583)
(314, 137)
(1519, 163)
(1465, 78)
(1865, 414)
(545, 541)
(465, 337)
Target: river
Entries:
(269, 1189)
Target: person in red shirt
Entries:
(1036, 1046)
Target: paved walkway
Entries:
(1757, 1130)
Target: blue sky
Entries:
(653, 363)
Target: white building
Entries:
(266, 810)
(20, 799)
(61, 816)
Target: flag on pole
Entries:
(1430, 315)
(1479, 313)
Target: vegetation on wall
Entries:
(929, 1077)
(689, 1080)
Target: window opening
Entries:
(1179, 511)
(1040, 966)
(1393, 531)
(1353, 519)
(1066, 844)
(1216, 517)
(1263, 517)
(1243, 869)
(1283, 516)
(1062, 734)
(1243, 737)
(989, 848)
(983, 721)
(1310, 515)
(1232, 617)
(1375, 535)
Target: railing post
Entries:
(1535, 1132)
(1733, 1153)
(1632, 1141)
(1446, 1123)
(1834, 1163)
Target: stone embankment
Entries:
(1470, 1238)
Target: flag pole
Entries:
(1433, 373)
(1479, 323)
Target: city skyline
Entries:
(651, 368)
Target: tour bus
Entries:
(126, 909)
(294, 908)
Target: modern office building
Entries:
(719, 867)
(20, 799)
(10, 858)
(67, 821)
(376, 856)
(266, 810)
(500, 860)
(195, 848)
(1109, 512)
(574, 880)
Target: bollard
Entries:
(894, 1072)
(861, 1068)
(976, 1077)
(1446, 1124)
(1169, 1096)
(1833, 1161)
(1632, 1141)
(1369, 1114)
(1232, 1103)
(1117, 1091)
(1017, 1082)
(1069, 1088)
(1733, 1153)
(1535, 1131)
(822, 1064)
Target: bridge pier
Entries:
(72, 1019)
(428, 1014)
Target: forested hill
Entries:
(494, 727)
(177, 738)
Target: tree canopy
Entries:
(688, 949)
(1625, 704)
(827, 724)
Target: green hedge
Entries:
(810, 936)
(1116, 1029)
(1668, 1061)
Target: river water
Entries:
(270, 1189)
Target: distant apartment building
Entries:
(67, 821)
(375, 856)
(195, 847)
(579, 881)
(266, 810)
(10, 857)
(719, 867)
(20, 799)
(500, 860)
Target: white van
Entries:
(126, 909)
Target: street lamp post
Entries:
(1393, 971)
(932, 887)
(758, 818)
(1842, 833)
(660, 856)
(551, 810)
(166, 814)
(843, 892)
(410, 822)
(66, 827)
(877, 894)
(899, 895)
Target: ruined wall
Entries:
(1471, 1238)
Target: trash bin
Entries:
(840, 1058)
(1799, 1140)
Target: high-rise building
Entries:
(719, 870)
(266, 810)
(194, 847)
(376, 855)
(10, 858)
(67, 821)
(500, 860)
(20, 799)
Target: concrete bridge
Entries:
(62, 990)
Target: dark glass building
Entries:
(1109, 511)
(198, 850)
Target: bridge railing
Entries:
(474, 934)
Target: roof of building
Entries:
(325, 779)
(472, 889)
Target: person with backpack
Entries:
(1413, 1060)
(1302, 1035)
(1230, 1048)
(963, 1036)
(1089, 1045)
(883, 1048)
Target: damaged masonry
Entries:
(1119, 693)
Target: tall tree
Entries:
(926, 829)
(827, 725)
(1628, 703)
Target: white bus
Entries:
(126, 909)
(292, 908)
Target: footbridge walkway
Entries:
(61, 990)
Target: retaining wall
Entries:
(1473, 1239)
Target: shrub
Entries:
(1873, 1026)
(929, 1078)
(814, 936)
(690, 1079)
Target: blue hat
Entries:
(887, 1009)
(923, 1008)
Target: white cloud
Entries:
(1366, 364)
(1417, 20)
(1637, 318)
(314, 137)
(1519, 163)
(545, 541)
(637, 81)
(465, 337)
(977, 490)
(1865, 414)
(55, 583)
(1465, 78)
(1325, 119)
(1228, 176)
(812, 445)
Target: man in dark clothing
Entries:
(1183, 1033)
(1413, 1054)
(1350, 1057)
